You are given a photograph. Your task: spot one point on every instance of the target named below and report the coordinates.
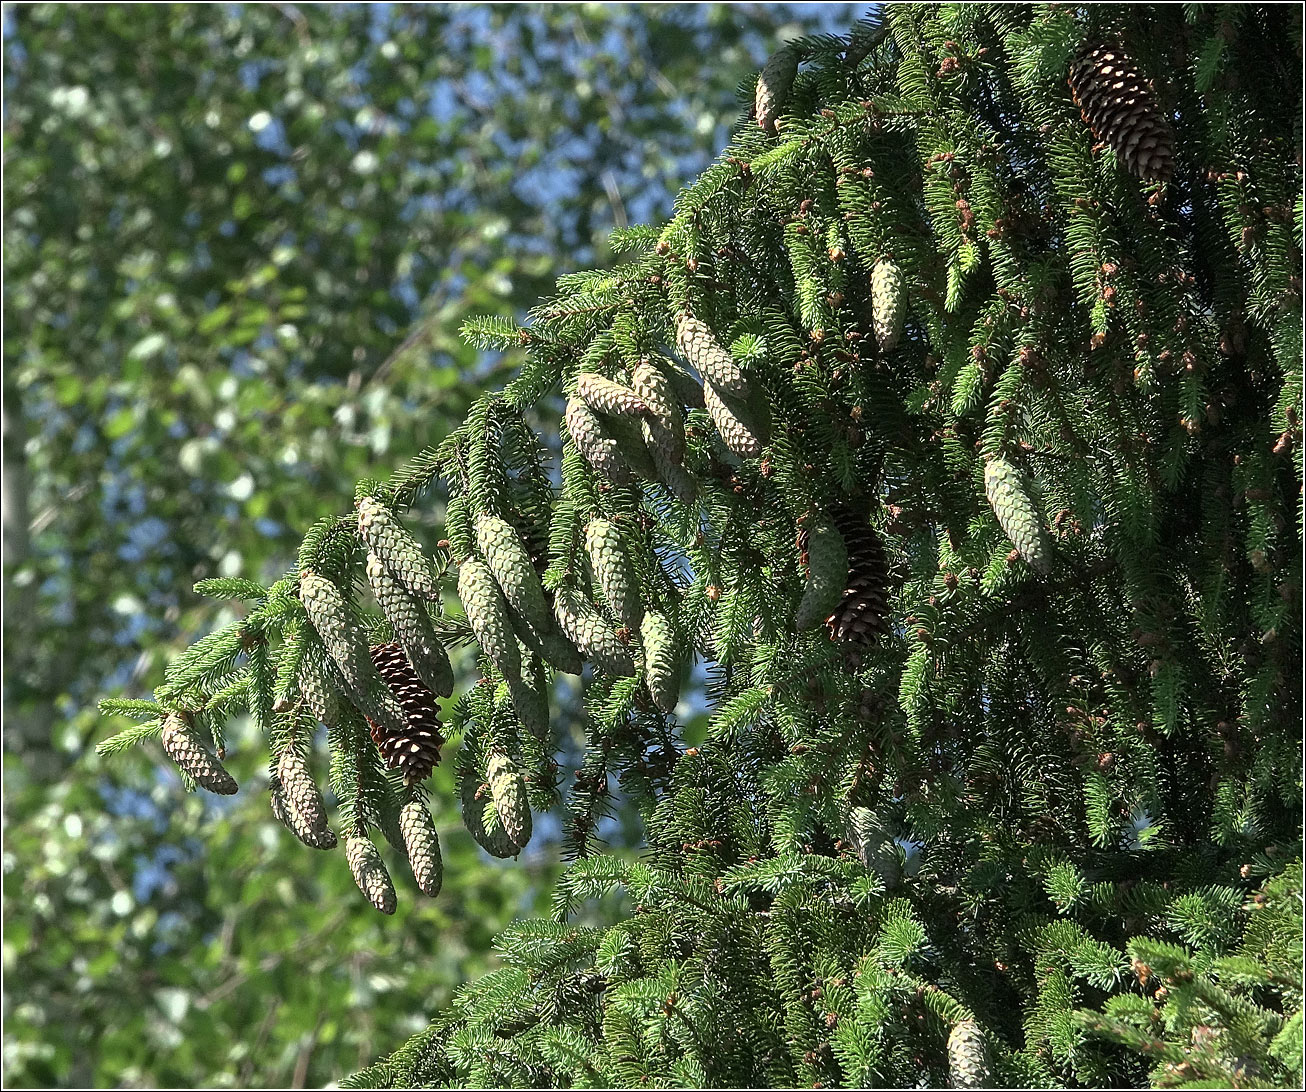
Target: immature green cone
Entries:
(740, 431)
(968, 1060)
(185, 747)
(1119, 107)
(661, 660)
(513, 571)
(888, 303)
(531, 705)
(664, 429)
(319, 691)
(827, 575)
(605, 396)
(596, 445)
(773, 86)
(481, 818)
(304, 807)
(488, 614)
(422, 845)
(714, 364)
(866, 835)
(1005, 487)
(616, 575)
(370, 873)
(590, 632)
(343, 636)
(412, 627)
(390, 541)
(508, 791)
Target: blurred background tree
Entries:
(238, 244)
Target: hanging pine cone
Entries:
(1005, 486)
(715, 364)
(369, 872)
(595, 443)
(968, 1060)
(392, 543)
(773, 86)
(412, 627)
(510, 564)
(605, 396)
(415, 750)
(590, 632)
(888, 303)
(861, 617)
(1118, 106)
(661, 668)
(422, 845)
(616, 576)
(744, 426)
(664, 430)
(488, 615)
(827, 573)
(481, 819)
(183, 745)
(508, 791)
(301, 802)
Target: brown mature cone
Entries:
(416, 751)
(861, 617)
(1121, 110)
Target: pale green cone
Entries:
(487, 611)
(605, 396)
(412, 628)
(888, 303)
(393, 544)
(422, 845)
(1004, 486)
(827, 575)
(508, 791)
(182, 743)
(661, 660)
(616, 576)
(370, 873)
(511, 566)
(590, 632)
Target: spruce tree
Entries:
(998, 310)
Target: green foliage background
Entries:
(239, 243)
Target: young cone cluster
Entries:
(1119, 107)
(183, 745)
(370, 873)
(415, 750)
